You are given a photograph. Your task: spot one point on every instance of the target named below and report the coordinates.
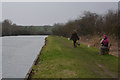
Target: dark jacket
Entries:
(74, 37)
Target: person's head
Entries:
(74, 32)
(105, 36)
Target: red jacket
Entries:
(105, 41)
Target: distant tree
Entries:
(6, 27)
(90, 24)
(0, 29)
(46, 28)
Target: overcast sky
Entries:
(40, 13)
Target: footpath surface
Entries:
(59, 59)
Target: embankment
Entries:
(28, 75)
(95, 42)
(60, 59)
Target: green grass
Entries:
(59, 59)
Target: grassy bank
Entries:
(60, 60)
(94, 40)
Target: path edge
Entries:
(28, 75)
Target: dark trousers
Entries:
(102, 50)
(74, 42)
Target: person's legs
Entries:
(101, 50)
(74, 42)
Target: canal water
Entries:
(18, 54)
(0, 57)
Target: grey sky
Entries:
(40, 13)
(0, 11)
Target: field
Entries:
(59, 59)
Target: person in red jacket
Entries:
(104, 45)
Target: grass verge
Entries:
(59, 59)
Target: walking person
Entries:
(74, 37)
(104, 45)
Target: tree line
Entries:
(11, 29)
(90, 24)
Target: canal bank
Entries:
(60, 59)
(28, 75)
